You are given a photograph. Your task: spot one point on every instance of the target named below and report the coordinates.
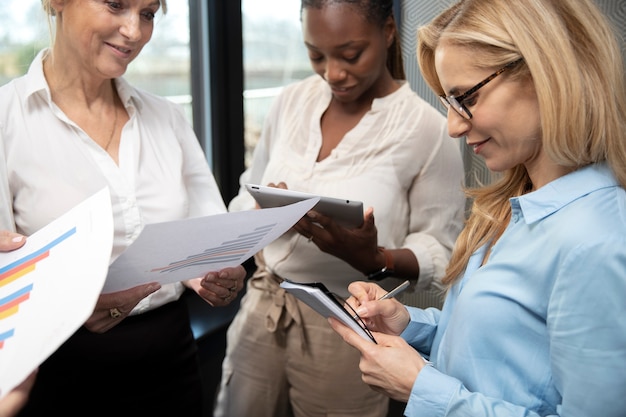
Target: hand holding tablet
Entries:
(347, 213)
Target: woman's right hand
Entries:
(385, 316)
(112, 308)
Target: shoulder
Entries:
(10, 93)
(20, 89)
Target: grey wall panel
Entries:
(616, 10)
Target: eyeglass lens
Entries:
(457, 102)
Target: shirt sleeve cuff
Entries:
(431, 393)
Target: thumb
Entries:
(368, 216)
(10, 241)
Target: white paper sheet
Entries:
(49, 287)
(184, 249)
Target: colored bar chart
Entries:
(50, 285)
(184, 249)
(230, 250)
(15, 287)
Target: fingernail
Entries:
(17, 239)
(361, 311)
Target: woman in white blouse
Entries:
(357, 131)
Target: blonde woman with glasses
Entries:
(534, 319)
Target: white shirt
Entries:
(398, 159)
(52, 165)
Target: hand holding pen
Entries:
(397, 290)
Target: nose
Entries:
(334, 72)
(131, 27)
(458, 126)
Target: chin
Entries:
(496, 166)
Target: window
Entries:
(163, 67)
(273, 56)
(23, 32)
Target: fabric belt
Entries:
(284, 310)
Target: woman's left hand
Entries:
(219, 288)
(390, 366)
(114, 307)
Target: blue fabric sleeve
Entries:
(421, 329)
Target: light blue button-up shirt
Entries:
(539, 330)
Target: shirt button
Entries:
(515, 218)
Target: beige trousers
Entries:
(283, 359)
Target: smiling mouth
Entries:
(340, 89)
(122, 50)
(477, 145)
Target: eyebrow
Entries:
(456, 91)
(349, 44)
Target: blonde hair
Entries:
(572, 55)
(50, 13)
(47, 7)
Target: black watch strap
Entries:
(387, 270)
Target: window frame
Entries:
(216, 44)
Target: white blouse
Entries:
(50, 164)
(398, 159)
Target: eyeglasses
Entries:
(457, 102)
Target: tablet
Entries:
(347, 213)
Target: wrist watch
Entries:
(387, 270)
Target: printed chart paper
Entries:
(184, 249)
(49, 287)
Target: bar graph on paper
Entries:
(230, 250)
(17, 283)
(178, 250)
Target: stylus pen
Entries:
(392, 293)
(396, 290)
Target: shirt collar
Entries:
(36, 81)
(128, 94)
(564, 190)
(37, 84)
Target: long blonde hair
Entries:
(572, 55)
